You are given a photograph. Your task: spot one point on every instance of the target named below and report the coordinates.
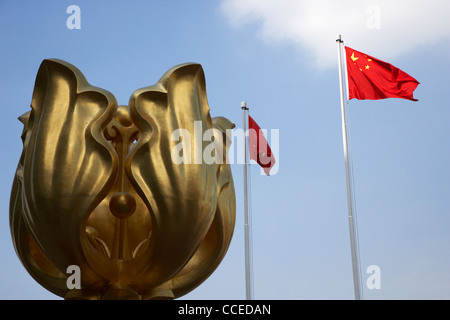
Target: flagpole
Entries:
(351, 222)
(247, 225)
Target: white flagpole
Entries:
(247, 221)
(351, 222)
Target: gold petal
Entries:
(68, 164)
(181, 198)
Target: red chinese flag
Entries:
(373, 79)
(259, 149)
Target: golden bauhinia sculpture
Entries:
(101, 188)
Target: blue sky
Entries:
(280, 57)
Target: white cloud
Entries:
(383, 28)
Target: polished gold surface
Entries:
(96, 187)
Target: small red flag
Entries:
(373, 79)
(259, 149)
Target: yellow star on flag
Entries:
(354, 58)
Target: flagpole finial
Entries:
(338, 38)
(244, 105)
